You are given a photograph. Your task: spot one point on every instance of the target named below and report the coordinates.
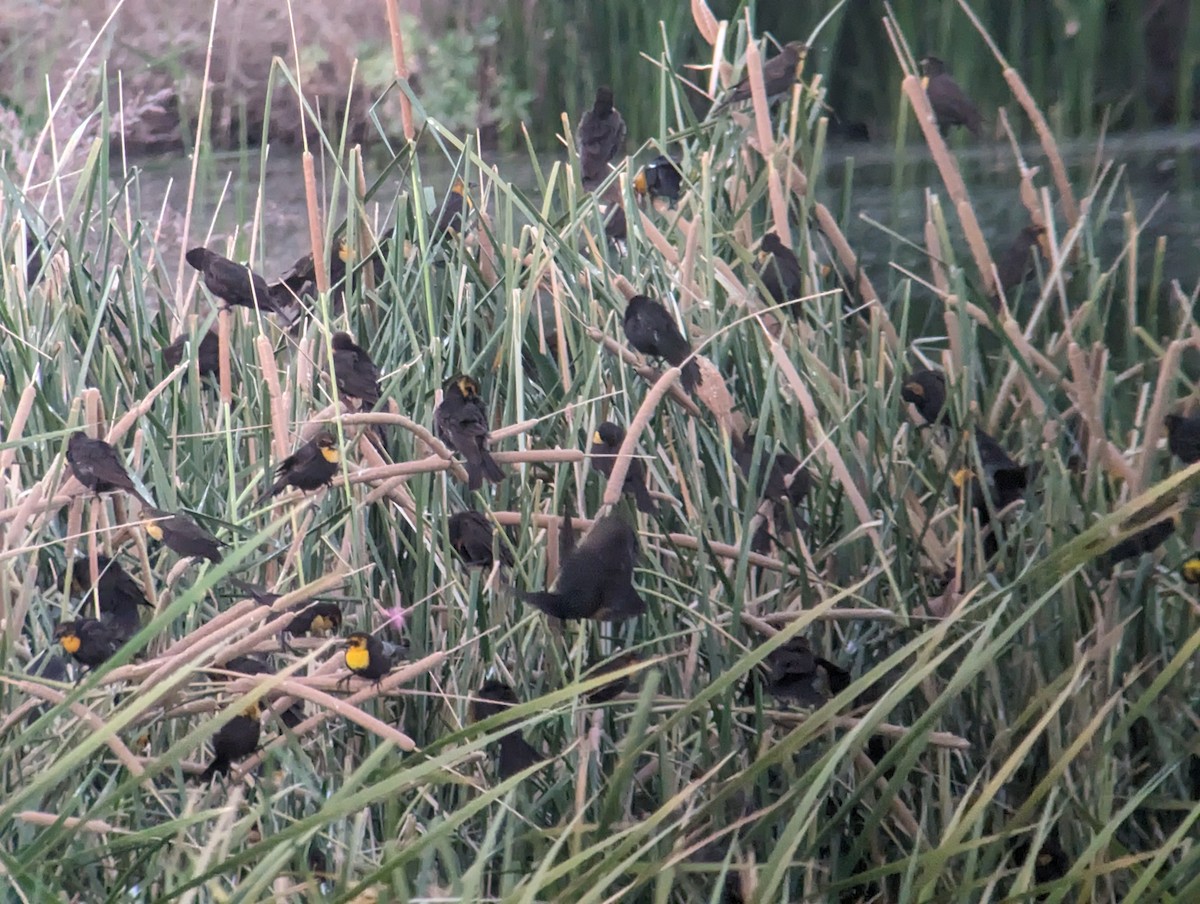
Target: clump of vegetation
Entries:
(912, 693)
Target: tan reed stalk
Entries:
(616, 480)
(401, 66)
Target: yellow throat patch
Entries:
(331, 455)
(70, 643)
(357, 658)
(154, 530)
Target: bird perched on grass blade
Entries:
(951, 106)
(323, 617)
(97, 465)
(118, 595)
(617, 686)
(310, 467)
(88, 641)
(600, 139)
(357, 375)
(1146, 540)
(652, 331)
(780, 273)
(780, 72)
(515, 753)
(1183, 437)
(596, 580)
(1015, 265)
(461, 422)
(471, 537)
(660, 178)
(367, 657)
(926, 390)
(233, 283)
(181, 535)
(234, 740)
(207, 354)
(606, 442)
(777, 478)
(792, 673)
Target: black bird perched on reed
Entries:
(367, 657)
(1016, 263)
(118, 595)
(778, 478)
(792, 673)
(617, 686)
(207, 354)
(252, 665)
(951, 106)
(660, 178)
(310, 467)
(322, 617)
(89, 642)
(780, 72)
(357, 375)
(181, 535)
(234, 740)
(926, 390)
(780, 272)
(233, 283)
(652, 331)
(471, 537)
(515, 753)
(606, 442)
(1183, 437)
(450, 214)
(596, 580)
(600, 139)
(1145, 540)
(97, 465)
(461, 422)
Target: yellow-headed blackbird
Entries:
(181, 535)
(606, 442)
(1052, 862)
(88, 641)
(310, 467)
(235, 739)
(926, 389)
(1190, 570)
(1006, 480)
(300, 282)
(780, 479)
(652, 331)
(1183, 437)
(319, 618)
(1136, 545)
(207, 354)
(600, 139)
(450, 216)
(1016, 263)
(97, 465)
(793, 671)
(117, 594)
(515, 752)
(461, 422)
(596, 580)
(252, 665)
(617, 686)
(357, 375)
(366, 657)
(233, 283)
(950, 103)
(471, 536)
(660, 178)
(779, 74)
(780, 272)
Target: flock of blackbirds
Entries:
(595, 580)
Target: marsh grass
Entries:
(991, 706)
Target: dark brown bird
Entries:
(652, 331)
(181, 535)
(310, 467)
(207, 354)
(950, 103)
(88, 641)
(515, 753)
(606, 442)
(779, 479)
(234, 740)
(1134, 546)
(1183, 437)
(660, 178)
(118, 596)
(252, 665)
(793, 671)
(596, 580)
(617, 686)
(462, 423)
(450, 215)
(97, 465)
(317, 618)
(1016, 263)
(357, 375)
(233, 283)
(779, 74)
(780, 272)
(471, 537)
(926, 390)
(600, 139)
